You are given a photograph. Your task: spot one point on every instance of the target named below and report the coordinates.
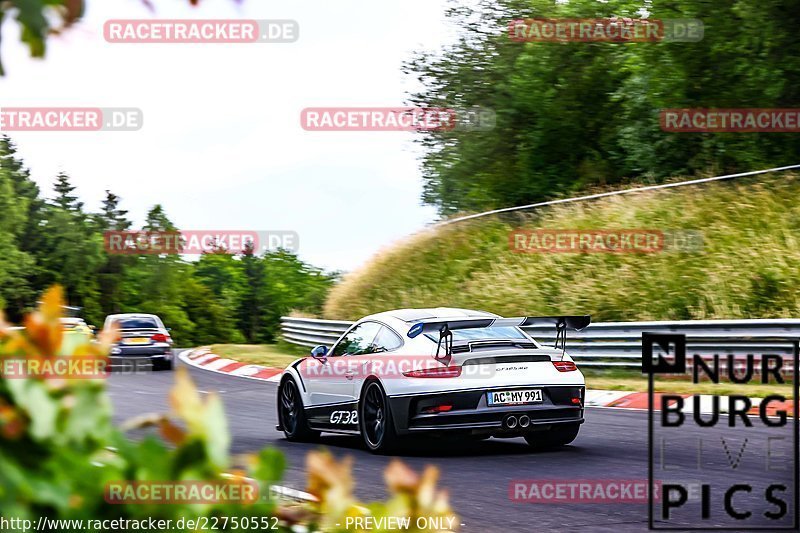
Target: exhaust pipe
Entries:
(524, 421)
(511, 421)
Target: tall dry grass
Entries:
(749, 266)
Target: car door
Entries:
(385, 343)
(331, 379)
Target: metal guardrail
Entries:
(618, 344)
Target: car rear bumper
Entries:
(140, 362)
(470, 412)
(156, 350)
(134, 358)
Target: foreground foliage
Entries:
(58, 449)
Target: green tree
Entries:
(154, 282)
(213, 299)
(111, 217)
(64, 197)
(111, 273)
(20, 232)
(73, 250)
(15, 291)
(252, 306)
(291, 284)
(223, 274)
(576, 115)
(213, 321)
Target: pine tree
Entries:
(24, 186)
(20, 233)
(251, 308)
(64, 197)
(73, 249)
(111, 216)
(157, 220)
(111, 274)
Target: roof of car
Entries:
(132, 315)
(415, 315)
(71, 320)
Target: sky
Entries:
(221, 147)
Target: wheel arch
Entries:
(372, 378)
(399, 422)
(284, 378)
(290, 374)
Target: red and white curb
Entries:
(203, 358)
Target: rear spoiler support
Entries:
(562, 324)
(446, 337)
(561, 335)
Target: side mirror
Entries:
(320, 351)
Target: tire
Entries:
(292, 416)
(375, 420)
(555, 438)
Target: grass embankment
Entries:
(749, 266)
(272, 355)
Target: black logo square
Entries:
(663, 341)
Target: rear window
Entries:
(136, 323)
(482, 334)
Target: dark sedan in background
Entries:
(142, 338)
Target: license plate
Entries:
(514, 397)
(137, 340)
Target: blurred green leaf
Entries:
(32, 396)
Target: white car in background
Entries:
(76, 325)
(435, 371)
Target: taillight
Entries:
(565, 366)
(160, 337)
(445, 407)
(438, 372)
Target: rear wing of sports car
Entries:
(575, 322)
(445, 326)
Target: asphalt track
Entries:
(612, 445)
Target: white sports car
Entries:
(431, 371)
